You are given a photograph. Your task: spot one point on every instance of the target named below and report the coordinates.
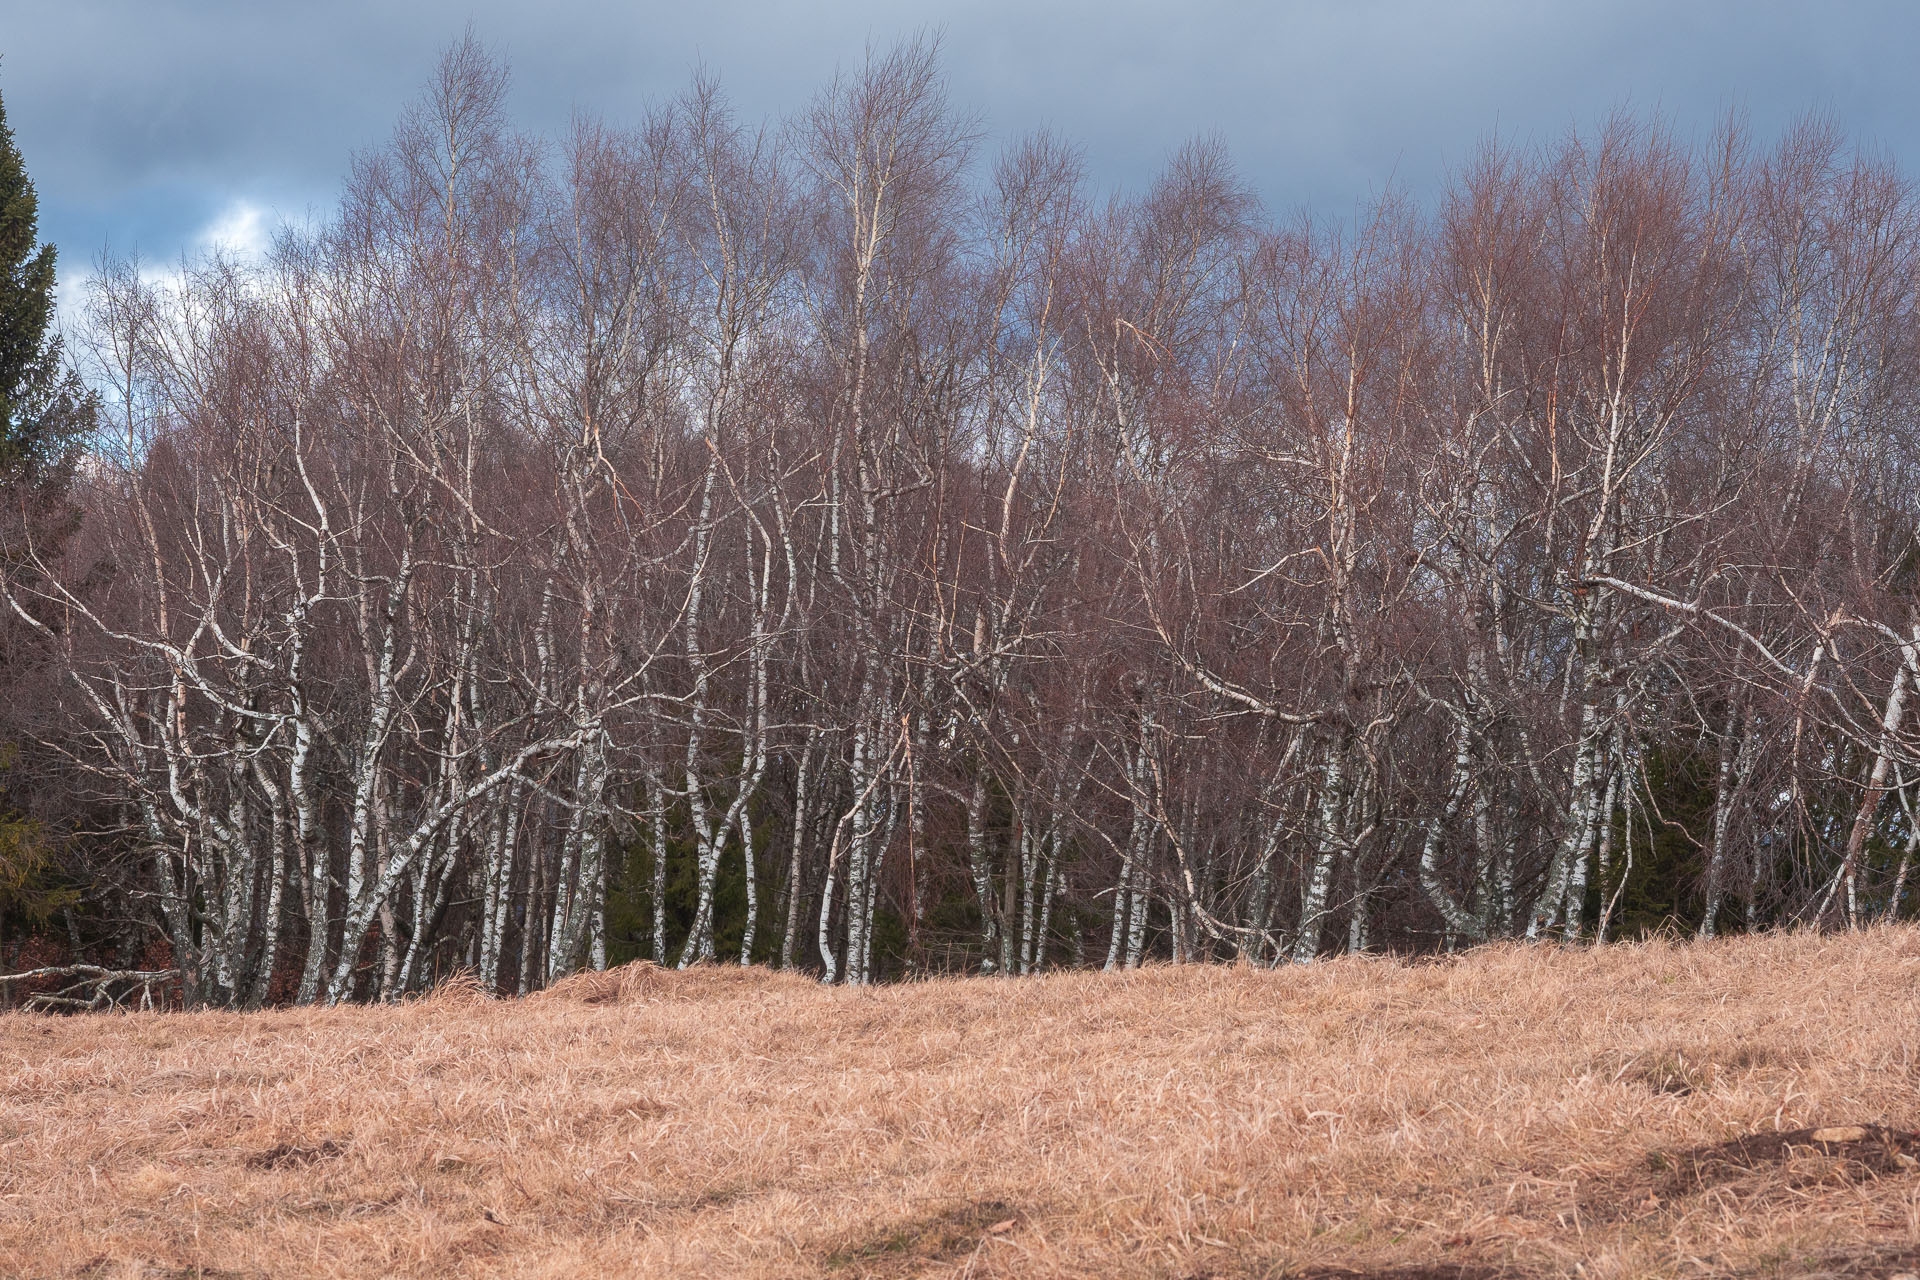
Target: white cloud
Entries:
(70, 297)
(243, 230)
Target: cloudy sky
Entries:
(162, 126)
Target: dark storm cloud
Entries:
(146, 123)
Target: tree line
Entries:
(839, 546)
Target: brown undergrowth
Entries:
(1738, 1108)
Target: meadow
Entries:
(1741, 1107)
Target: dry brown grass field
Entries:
(1739, 1108)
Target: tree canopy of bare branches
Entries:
(840, 547)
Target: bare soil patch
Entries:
(1851, 1151)
(1436, 1271)
(283, 1155)
(1755, 1170)
(910, 1247)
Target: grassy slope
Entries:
(1515, 1112)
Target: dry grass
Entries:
(1518, 1112)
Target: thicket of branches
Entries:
(830, 546)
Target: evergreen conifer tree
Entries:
(43, 406)
(45, 410)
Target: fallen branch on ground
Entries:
(92, 987)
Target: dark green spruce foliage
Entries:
(43, 407)
(44, 412)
